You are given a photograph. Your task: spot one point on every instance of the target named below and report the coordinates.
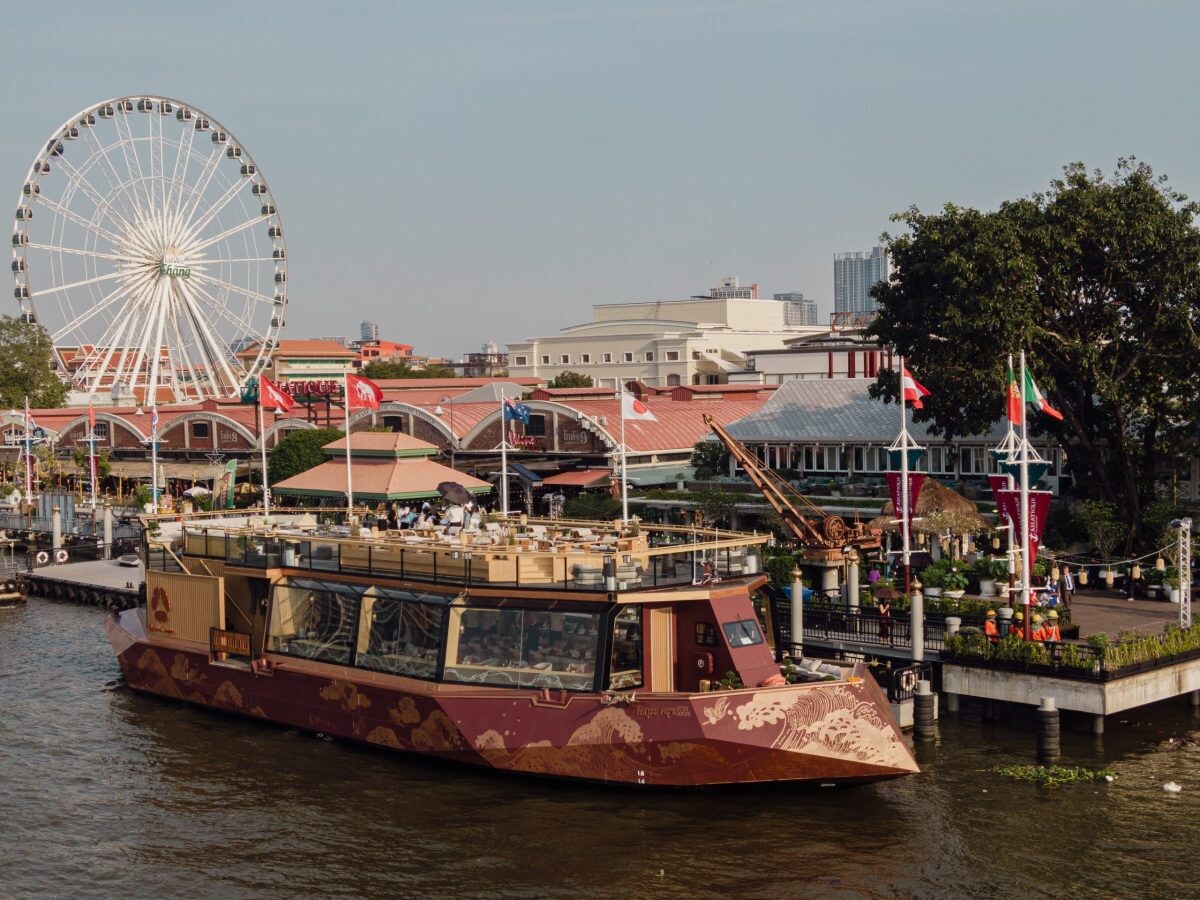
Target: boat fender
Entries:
(773, 681)
(42, 558)
(60, 556)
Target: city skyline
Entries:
(474, 172)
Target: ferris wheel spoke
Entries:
(206, 174)
(194, 228)
(222, 310)
(72, 216)
(116, 295)
(128, 149)
(78, 178)
(180, 344)
(181, 198)
(218, 352)
(100, 153)
(195, 248)
(229, 286)
(112, 339)
(59, 288)
(55, 248)
(160, 316)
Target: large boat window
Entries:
(401, 632)
(523, 648)
(315, 620)
(743, 633)
(625, 665)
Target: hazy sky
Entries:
(459, 171)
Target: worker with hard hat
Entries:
(1018, 625)
(990, 628)
(1039, 632)
(1051, 629)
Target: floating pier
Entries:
(104, 582)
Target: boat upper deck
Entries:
(583, 557)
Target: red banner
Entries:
(998, 483)
(915, 480)
(1008, 504)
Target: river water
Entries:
(107, 793)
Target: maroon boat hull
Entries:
(825, 732)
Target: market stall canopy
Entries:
(939, 510)
(378, 479)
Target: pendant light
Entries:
(1083, 577)
(1160, 564)
(995, 543)
(1055, 574)
(1136, 572)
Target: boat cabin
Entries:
(564, 606)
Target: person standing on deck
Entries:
(1067, 587)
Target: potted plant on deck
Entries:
(954, 582)
(933, 577)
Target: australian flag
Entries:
(518, 412)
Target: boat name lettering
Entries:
(682, 711)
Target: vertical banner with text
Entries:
(915, 480)
(1008, 505)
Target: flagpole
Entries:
(624, 469)
(904, 517)
(262, 440)
(28, 455)
(92, 441)
(154, 455)
(349, 470)
(503, 456)
(1024, 460)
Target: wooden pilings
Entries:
(1049, 737)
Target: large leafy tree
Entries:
(1098, 280)
(27, 366)
(299, 452)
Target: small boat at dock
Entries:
(602, 652)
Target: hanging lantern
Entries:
(1083, 578)
(995, 543)
(1136, 572)
(970, 545)
(944, 543)
(1054, 572)
(921, 539)
(1160, 564)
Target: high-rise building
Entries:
(799, 309)
(369, 331)
(853, 277)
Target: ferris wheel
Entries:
(149, 247)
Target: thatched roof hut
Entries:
(939, 511)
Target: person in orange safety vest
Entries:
(1039, 631)
(989, 627)
(1051, 629)
(1018, 625)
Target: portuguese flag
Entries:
(1013, 397)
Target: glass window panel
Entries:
(399, 634)
(743, 633)
(524, 648)
(315, 620)
(625, 664)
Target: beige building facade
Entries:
(660, 343)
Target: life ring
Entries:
(60, 556)
(42, 557)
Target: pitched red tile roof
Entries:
(396, 479)
(578, 478)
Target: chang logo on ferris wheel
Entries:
(174, 266)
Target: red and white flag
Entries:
(634, 409)
(272, 396)
(91, 418)
(913, 389)
(362, 393)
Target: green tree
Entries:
(569, 379)
(1098, 280)
(103, 464)
(717, 508)
(396, 369)
(709, 458)
(592, 506)
(299, 452)
(27, 367)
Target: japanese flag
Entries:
(272, 396)
(633, 408)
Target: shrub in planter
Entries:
(955, 580)
(934, 575)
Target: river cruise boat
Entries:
(597, 652)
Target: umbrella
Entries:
(453, 492)
(887, 594)
(197, 491)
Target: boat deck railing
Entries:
(588, 557)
